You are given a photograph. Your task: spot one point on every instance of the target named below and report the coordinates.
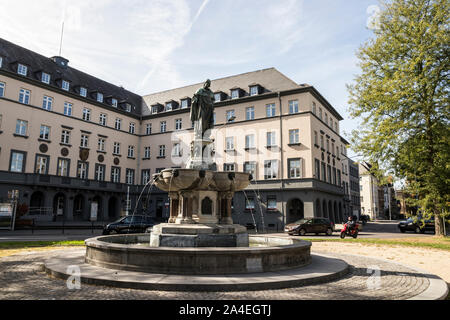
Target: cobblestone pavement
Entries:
(21, 277)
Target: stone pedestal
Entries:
(199, 235)
(202, 151)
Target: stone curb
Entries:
(321, 270)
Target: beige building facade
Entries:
(75, 146)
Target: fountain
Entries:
(200, 238)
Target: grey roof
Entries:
(12, 54)
(270, 79)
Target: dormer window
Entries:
(254, 90)
(65, 85)
(128, 107)
(1, 61)
(99, 97)
(185, 103)
(45, 78)
(155, 109)
(114, 102)
(22, 70)
(217, 97)
(234, 93)
(83, 92)
(169, 106)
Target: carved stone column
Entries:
(225, 199)
(174, 206)
(185, 210)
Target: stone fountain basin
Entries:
(133, 253)
(173, 180)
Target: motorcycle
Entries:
(349, 232)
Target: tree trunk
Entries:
(438, 223)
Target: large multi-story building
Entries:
(354, 188)
(369, 191)
(73, 144)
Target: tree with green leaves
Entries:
(402, 98)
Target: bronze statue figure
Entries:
(202, 114)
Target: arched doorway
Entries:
(96, 208)
(37, 203)
(330, 211)
(59, 206)
(78, 208)
(113, 207)
(318, 211)
(296, 210)
(325, 209)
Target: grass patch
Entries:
(38, 244)
(433, 243)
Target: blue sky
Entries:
(149, 46)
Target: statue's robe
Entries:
(202, 114)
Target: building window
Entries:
(176, 150)
(250, 203)
(45, 78)
(314, 108)
(148, 129)
(162, 151)
(229, 167)
(178, 124)
(317, 169)
(270, 169)
(320, 113)
(114, 102)
(184, 103)
(329, 173)
(86, 114)
(63, 167)
(234, 93)
(294, 136)
(128, 107)
(65, 137)
(118, 124)
(1, 61)
(17, 161)
(217, 97)
(130, 176)
(324, 174)
(339, 177)
(293, 106)
(230, 116)
(22, 70)
(21, 127)
(250, 113)
(271, 139)
(145, 176)
(321, 142)
(47, 103)
(82, 170)
(130, 151)
(41, 165)
(83, 92)
(169, 106)
(100, 172)
(214, 118)
(254, 90)
(101, 144)
(84, 141)
(115, 174)
(147, 153)
(67, 109)
(44, 132)
(328, 145)
(294, 167)
(65, 85)
(229, 144)
(326, 118)
(250, 167)
(334, 176)
(2, 89)
(163, 126)
(116, 148)
(102, 119)
(270, 110)
(250, 141)
(132, 127)
(24, 96)
(316, 138)
(99, 97)
(272, 203)
(155, 109)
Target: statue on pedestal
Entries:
(202, 110)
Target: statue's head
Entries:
(207, 84)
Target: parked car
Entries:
(417, 225)
(311, 225)
(130, 224)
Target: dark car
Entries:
(130, 224)
(416, 225)
(310, 225)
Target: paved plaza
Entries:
(23, 277)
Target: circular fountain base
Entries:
(198, 235)
(134, 253)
